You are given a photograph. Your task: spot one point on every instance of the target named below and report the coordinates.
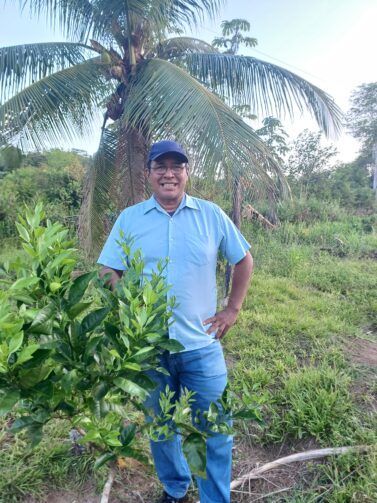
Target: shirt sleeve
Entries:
(233, 245)
(112, 254)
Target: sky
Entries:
(331, 43)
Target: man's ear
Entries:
(147, 172)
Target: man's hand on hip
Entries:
(222, 321)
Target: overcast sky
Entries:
(331, 43)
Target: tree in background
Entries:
(54, 177)
(10, 159)
(275, 137)
(119, 57)
(309, 162)
(233, 30)
(362, 122)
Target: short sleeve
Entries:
(233, 245)
(112, 254)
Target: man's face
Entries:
(168, 177)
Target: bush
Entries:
(59, 190)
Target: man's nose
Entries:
(169, 171)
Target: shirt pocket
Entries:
(197, 249)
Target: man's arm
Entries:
(116, 274)
(223, 320)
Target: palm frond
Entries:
(97, 210)
(59, 106)
(81, 19)
(165, 102)
(116, 180)
(21, 65)
(179, 46)
(192, 12)
(268, 88)
(78, 19)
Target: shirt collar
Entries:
(187, 200)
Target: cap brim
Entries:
(178, 154)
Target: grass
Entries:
(26, 472)
(309, 294)
(314, 287)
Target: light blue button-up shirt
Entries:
(191, 238)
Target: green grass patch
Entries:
(33, 472)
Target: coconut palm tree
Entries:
(125, 57)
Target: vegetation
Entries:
(294, 349)
(362, 123)
(54, 177)
(128, 58)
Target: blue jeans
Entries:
(203, 371)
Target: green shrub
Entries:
(59, 190)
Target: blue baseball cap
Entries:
(166, 147)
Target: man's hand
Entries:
(222, 321)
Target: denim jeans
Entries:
(203, 371)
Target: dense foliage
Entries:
(54, 177)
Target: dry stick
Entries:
(300, 456)
(106, 490)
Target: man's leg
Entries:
(204, 372)
(171, 465)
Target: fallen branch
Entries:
(106, 490)
(256, 473)
(293, 458)
(251, 213)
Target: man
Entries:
(190, 232)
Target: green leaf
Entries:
(23, 232)
(44, 315)
(31, 377)
(105, 458)
(187, 427)
(194, 448)
(101, 390)
(248, 414)
(39, 357)
(34, 433)
(130, 387)
(92, 345)
(143, 354)
(127, 434)
(26, 354)
(77, 309)
(91, 436)
(21, 423)
(79, 287)
(8, 401)
(171, 345)
(131, 366)
(22, 283)
(15, 343)
(153, 338)
(94, 319)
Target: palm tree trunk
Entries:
(130, 162)
(125, 186)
